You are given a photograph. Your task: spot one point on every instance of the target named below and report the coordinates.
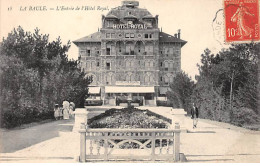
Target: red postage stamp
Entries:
(241, 20)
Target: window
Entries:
(132, 77)
(93, 65)
(113, 35)
(108, 51)
(146, 36)
(171, 65)
(88, 52)
(150, 35)
(161, 78)
(146, 79)
(107, 35)
(128, 78)
(127, 64)
(132, 35)
(82, 52)
(129, 49)
(127, 35)
(151, 63)
(97, 52)
(166, 80)
(161, 64)
(166, 66)
(97, 64)
(108, 66)
(171, 51)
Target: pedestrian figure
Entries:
(73, 105)
(56, 111)
(194, 115)
(71, 109)
(66, 108)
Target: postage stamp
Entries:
(241, 20)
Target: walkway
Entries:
(216, 142)
(54, 142)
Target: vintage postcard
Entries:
(129, 81)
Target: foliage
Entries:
(36, 74)
(127, 118)
(180, 91)
(226, 89)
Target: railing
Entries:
(129, 144)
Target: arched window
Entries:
(110, 79)
(166, 80)
(146, 79)
(131, 64)
(151, 79)
(171, 65)
(137, 77)
(146, 64)
(93, 65)
(88, 65)
(151, 63)
(132, 77)
(166, 66)
(127, 77)
(127, 64)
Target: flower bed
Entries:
(128, 118)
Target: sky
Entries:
(193, 17)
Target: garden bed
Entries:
(128, 118)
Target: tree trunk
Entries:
(231, 94)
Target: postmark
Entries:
(241, 20)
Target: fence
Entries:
(129, 144)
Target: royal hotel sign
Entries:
(129, 25)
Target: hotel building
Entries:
(129, 58)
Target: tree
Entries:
(181, 90)
(229, 80)
(36, 74)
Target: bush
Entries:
(15, 117)
(244, 116)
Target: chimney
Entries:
(161, 29)
(98, 29)
(179, 33)
(175, 35)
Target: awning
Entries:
(163, 90)
(129, 89)
(93, 90)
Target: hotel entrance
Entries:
(121, 95)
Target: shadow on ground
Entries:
(14, 140)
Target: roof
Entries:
(130, 16)
(129, 89)
(94, 90)
(148, 16)
(111, 16)
(94, 37)
(164, 37)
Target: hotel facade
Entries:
(129, 58)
